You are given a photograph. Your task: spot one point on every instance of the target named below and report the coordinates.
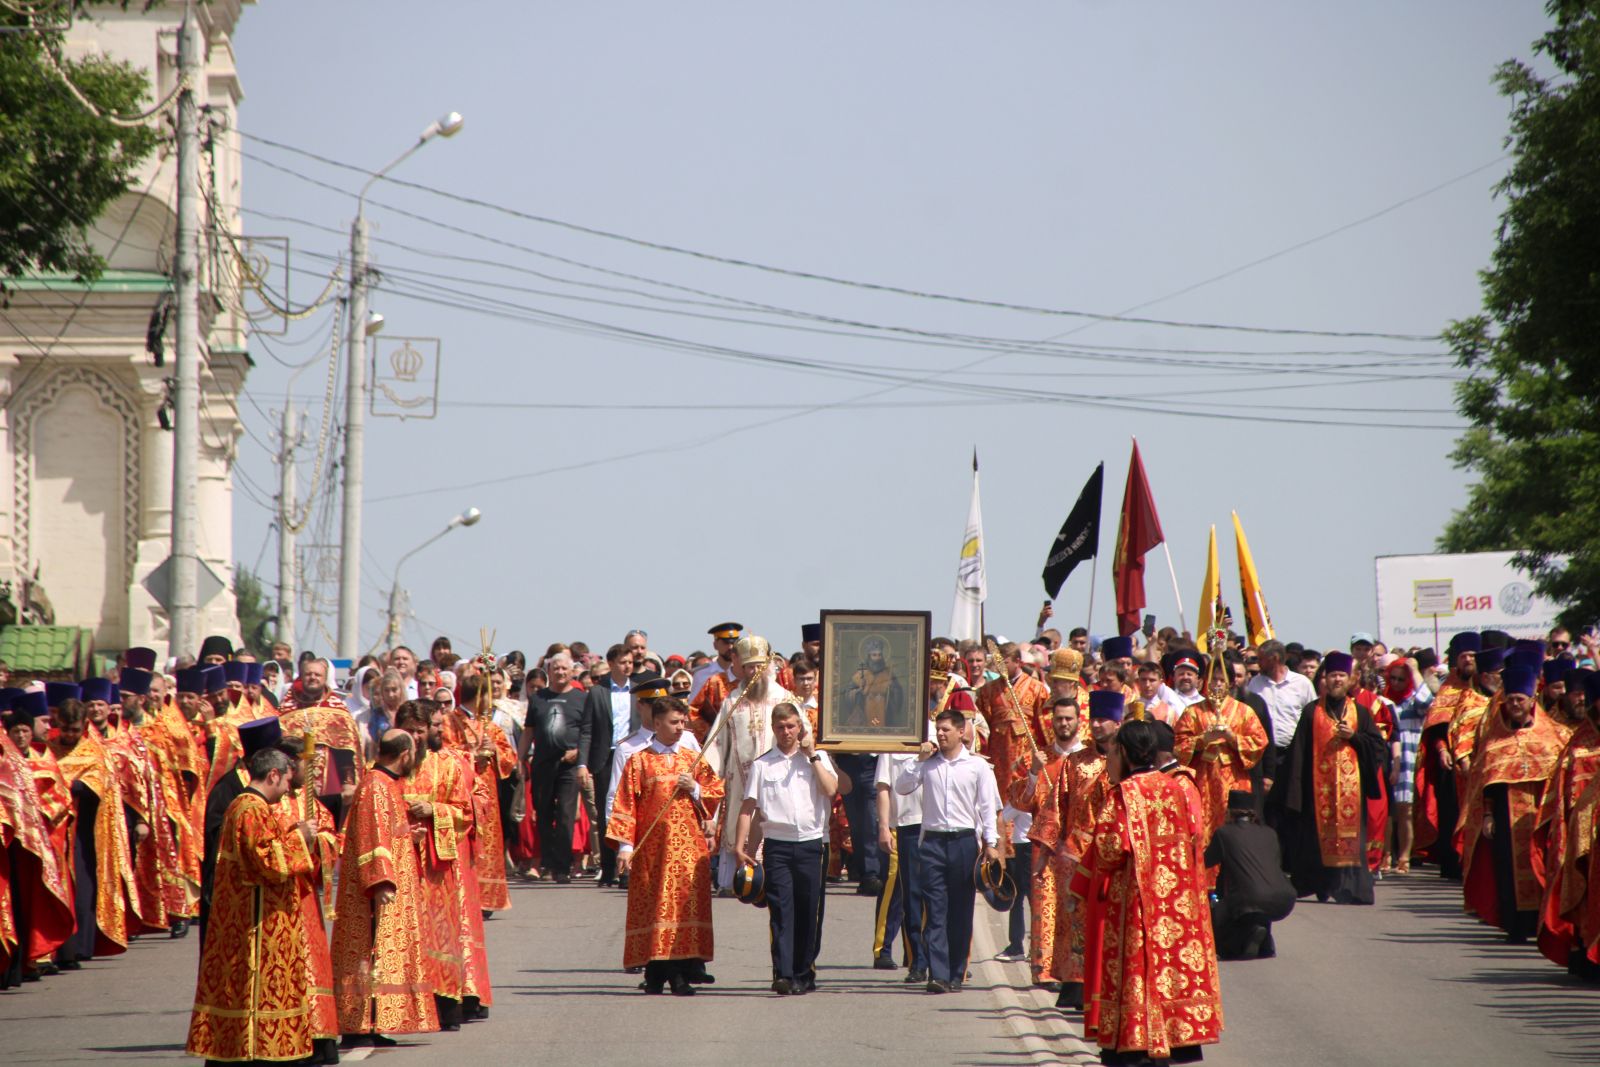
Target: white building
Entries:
(87, 504)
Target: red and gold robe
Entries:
(55, 804)
(669, 883)
(291, 811)
(1564, 837)
(155, 859)
(89, 764)
(706, 703)
(1336, 796)
(379, 979)
(1038, 798)
(37, 876)
(469, 900)
(335, 730)
(181, 766)
(438, 781)
(251, 1002)
(1069, 819)
(468, 734)
(1017, 714)
(1523, 761)
(1152, 983)
(1219, 765)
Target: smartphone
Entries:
(1149, 626)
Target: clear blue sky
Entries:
(1086, 156)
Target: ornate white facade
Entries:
(87, 505)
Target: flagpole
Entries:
(1183, 623)
(1088, 623)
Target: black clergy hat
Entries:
(1241, 800)
(260, 734)
(216, 645)
(810, 631)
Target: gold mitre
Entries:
(752, 649)
(1066, 665)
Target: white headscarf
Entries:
(357, 701)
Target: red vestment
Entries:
(1153, 982)
(379, 979)
(669, 883)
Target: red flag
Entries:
(1138, 531)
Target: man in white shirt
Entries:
(899, 830)
(791, 785)
(1286, 694)
(960, 805)
(1184, 668)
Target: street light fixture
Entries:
(360, 326)
(391, 632)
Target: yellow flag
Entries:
(1257, 619)
(1209, 595)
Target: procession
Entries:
(871, 534)
(337, 851)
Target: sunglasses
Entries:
(1560, 644)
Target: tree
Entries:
(254, 613)
(60, 164)
(1533, 395)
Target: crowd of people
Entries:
(339, 846)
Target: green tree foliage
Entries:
(1533, 397)
(60, 165)
(254, 613)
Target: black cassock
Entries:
(1297, 826)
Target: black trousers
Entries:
(555, 800)
(1020, 868)
(949, 863)
(861, 812)
(796, 875)
(601, 773)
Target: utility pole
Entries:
(355, 413)
(355, 432)
(288, 438)
(184, 637)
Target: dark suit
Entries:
(595, 749)
(556, 721)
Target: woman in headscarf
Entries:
(1411, 701)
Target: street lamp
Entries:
(359, 327)
(391, 632)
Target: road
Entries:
(1410, 981)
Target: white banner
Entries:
(972, 587)
(1469, 591)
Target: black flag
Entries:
(1079, 538)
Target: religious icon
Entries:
(874, 680)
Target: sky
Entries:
(936, 184)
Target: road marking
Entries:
(1030, 1014)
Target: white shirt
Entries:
(957, 794)
(636, 742)
(1285, 701)
(1176, 700)
(621, 709)
(792, 805)
(907, 807)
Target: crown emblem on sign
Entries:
(407, 362)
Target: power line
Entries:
(812, 276)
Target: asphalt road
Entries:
(1409, 981)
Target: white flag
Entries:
(966, 618)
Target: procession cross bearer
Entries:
(665, 792)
